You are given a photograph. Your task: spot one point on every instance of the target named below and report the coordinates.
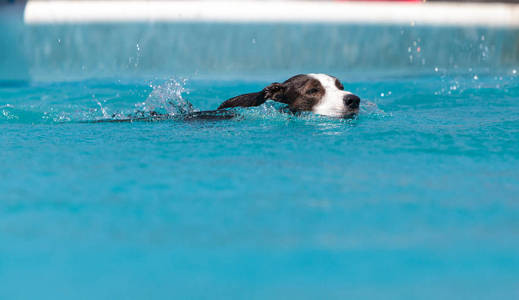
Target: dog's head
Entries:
(320, 93)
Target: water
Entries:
(414, 199)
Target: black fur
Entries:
(300, 92)
(155, 117)
(273, 91)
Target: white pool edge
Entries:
(398, 13)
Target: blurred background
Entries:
(47, 40)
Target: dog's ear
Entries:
(274, 91)
(246, 100)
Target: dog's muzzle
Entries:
(351, 101)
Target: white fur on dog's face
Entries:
(332, 103)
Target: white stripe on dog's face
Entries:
(332, 102)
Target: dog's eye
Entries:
(312, 91)
(339, 85)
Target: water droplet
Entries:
(514, 71)
(476, 77)
(381, 94)
(436, 69)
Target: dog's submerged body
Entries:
(319, 93)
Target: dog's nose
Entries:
(351, 101)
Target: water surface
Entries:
(415, 198)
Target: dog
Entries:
(318, 93)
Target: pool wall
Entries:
(57, 48)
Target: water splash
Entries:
(277, 112)
(11, 114)
(94, 101)
(6, 112)
(371, 109)
(167, 98)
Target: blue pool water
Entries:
(417, 198)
